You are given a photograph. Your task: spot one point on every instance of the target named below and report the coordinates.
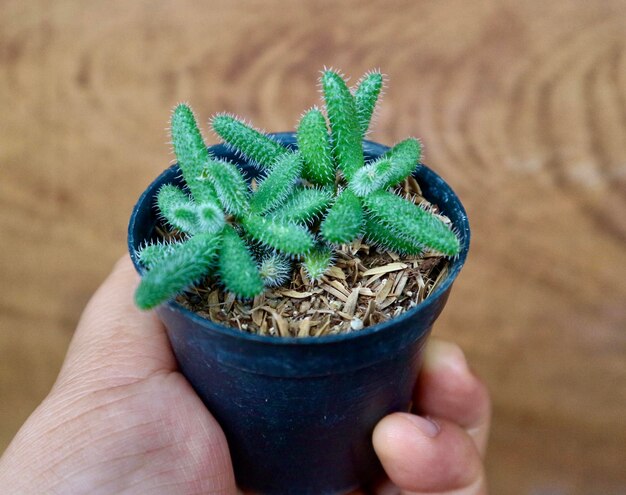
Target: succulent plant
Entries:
(308, 200)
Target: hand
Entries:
(121, 419)
(440, 451)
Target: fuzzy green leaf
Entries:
(314, 146)
(303, 205)
(191, 152)
(275, 270)
(344, 123)
(251, 143)
(405, 157)
(371, 177)
(279, 183)
(378, 234)
(231, 187)
(151, 254)
(317, 261)
(288, 238)
(177, 208)
(210, 217)
(184, 266)
(391, 169)
(237, 268)
(344, 219)
(412, 223)
(365, 98)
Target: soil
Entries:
(366, 286)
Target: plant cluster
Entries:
(309, 200)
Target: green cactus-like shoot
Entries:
(288, 238)
(366, 96)
(304, 205)
(249, 142)
(314, 146)
(190, 150)
(231, 187)
(151, 254)
(344, 219)
(278, 184)
(237, 268)
(185, 265)
(317, 261)
(177, 209)
(275, 270)
(344, 123)
(412, 223)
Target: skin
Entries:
(121, 419)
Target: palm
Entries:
(134, 425)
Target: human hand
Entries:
(121, 419)
(441, 450)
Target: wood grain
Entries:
(521, 106)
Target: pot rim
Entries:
(289, 138)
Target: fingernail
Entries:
(447, 355)
(424, 424)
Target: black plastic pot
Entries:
(298, 413)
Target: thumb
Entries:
(424, 455)
(112, 330)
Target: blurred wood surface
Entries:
(521, 107)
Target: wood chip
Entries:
(345, 316)
(370, 281)
(228, 302)
(321, 311)
(263, 328)
(366, 291)
(442, 275)
(350, 305)
(420, 281)
(413, 185)
(257, 316)
(384, 291)
(387, 303)
(343, 255)
(391, 267)
(368, 312)
(303, 276)
(280, 322)
(296, 294)
(334, 292)
(339, 286)
(214, 304)
(400, 284)
(323, 328)
(336, 272)
(304, 328)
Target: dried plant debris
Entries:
(367, 285)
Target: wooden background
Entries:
(521, 106)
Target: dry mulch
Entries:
(365, 286)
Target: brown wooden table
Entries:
(521, 106)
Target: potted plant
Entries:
(298, 276)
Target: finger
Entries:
(447, 389)
(424, 455)
(115, 341)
